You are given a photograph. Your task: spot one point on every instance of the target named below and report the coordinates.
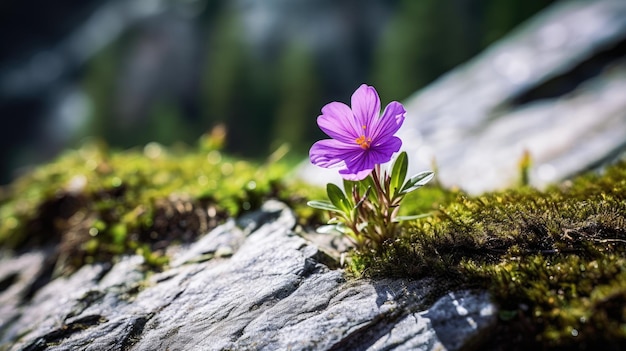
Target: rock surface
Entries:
(247, 285)
(554, 88)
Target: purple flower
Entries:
(361, 138)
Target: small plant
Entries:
(366, 210)
(524, 165)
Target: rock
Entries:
(18, 276)
(271, 294)
(554, 88)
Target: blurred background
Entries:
(131, 72)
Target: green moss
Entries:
(93, 204)
(554, 260)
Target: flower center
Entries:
(364, 142)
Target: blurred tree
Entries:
(238, 88)
(164, 124)
(99, 82)
(126, 114)
(299, 99)
(424, 39)
(252, 115)
(499, 17)
(223, 68)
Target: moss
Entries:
(554, 260)
(93, 204)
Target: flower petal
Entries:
(330, 153)
(348, 175)
(367, 160)
(359, 161)
(337, 121)
(365, 105)
(382, 153)
(389, 122)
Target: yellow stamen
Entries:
(364, 142)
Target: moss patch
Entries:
(555, 260)
(92, 204)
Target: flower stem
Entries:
(386, 224)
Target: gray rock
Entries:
(554, 87)
(18, 275)
(271, 294)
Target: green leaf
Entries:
(330, 229)
(338, 198)
(410, 218)
(348, 185)
(323, 205)
(398, 173)
(365, 186)
(365, 195)
(355, 209)
(362, 226)
(334, 220)
(417, 181)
